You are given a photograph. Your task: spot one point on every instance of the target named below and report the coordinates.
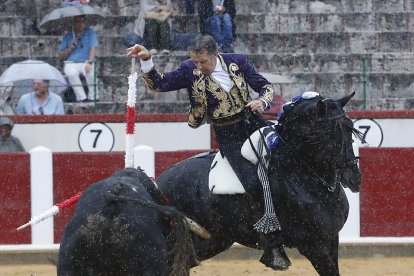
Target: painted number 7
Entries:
(98, 133)
(371, 131)
(96, 137)
(365, 131)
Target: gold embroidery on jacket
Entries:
(268, 94)
(150, 83)
(236, 96)
(240, 82)
(198, 110)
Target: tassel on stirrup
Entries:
(268, 223)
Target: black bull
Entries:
(119, 229)
(306, 172)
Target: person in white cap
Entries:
(9, 143)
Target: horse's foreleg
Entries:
(323, 256)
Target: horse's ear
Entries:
(343, 101)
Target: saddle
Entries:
(222, 178)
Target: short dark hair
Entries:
(203, 43)
(82, 17)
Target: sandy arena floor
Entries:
(401, 266)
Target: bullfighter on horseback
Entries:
(218, 88)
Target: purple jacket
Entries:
(208, 100)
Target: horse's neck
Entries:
(291, 161)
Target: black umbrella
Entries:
(61, 19)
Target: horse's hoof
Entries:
(276, 259)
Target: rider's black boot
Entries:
(274, 256)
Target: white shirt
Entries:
(222, 77)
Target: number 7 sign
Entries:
(96, 137)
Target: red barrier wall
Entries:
(163, 160)
(387, 193)
(73, 172)
(14, 197)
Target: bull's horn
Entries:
(197, 228)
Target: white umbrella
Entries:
(31, 70)
(61, 19)
(21, 75)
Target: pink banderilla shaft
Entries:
(52, 211)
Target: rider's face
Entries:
(204, 62)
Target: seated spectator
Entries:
(41, 101)
(217, 20)
(9, 143)
(6, 106)
(152, 26)
(78, 49)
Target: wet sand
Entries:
(401, 266)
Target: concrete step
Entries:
(246, 23)
(247, 43)
(280, 63)
(383, 75)
(131, 7)
(370, 86)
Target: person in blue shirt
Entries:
(41, 101)
(78, 49)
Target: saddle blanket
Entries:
(223, 180)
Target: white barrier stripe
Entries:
(41, 193)
(409, 241)
(377, 240)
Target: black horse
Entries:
(314, 157)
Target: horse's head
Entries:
(319, 132)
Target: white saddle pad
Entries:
(222, 179)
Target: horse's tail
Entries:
(183, 250)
